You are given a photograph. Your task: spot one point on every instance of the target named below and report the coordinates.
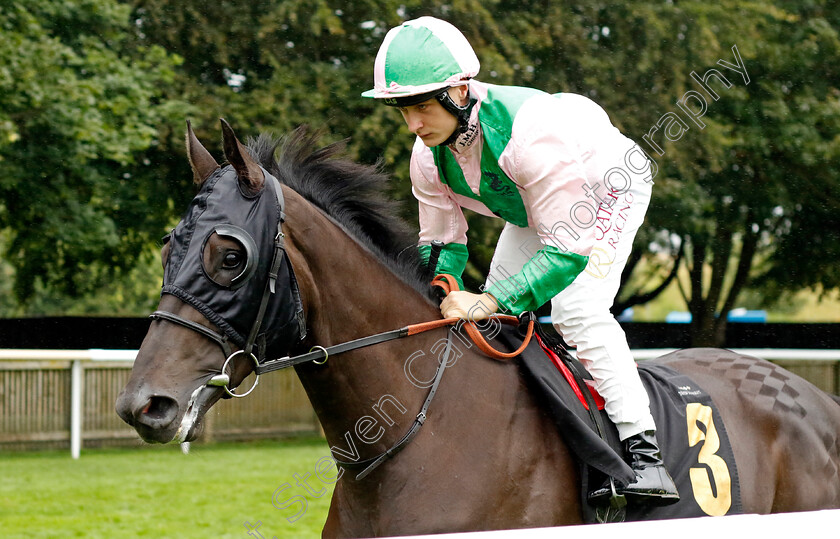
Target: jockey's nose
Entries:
(412, 120)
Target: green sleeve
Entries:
(452, 260)
(544, 276)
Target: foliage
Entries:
(134, 292)
(749, 193)
(745, 193)
(77, 110)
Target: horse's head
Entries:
(229, 294)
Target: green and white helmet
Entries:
(419, 57)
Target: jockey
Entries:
(573, 192)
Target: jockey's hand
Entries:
(469, 306)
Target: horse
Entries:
(488, 456)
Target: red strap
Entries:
(570, 379)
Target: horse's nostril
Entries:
(158, 412)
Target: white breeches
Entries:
(581, 312)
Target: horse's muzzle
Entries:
(154, 417)
(161, 419)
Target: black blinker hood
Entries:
(253, 220)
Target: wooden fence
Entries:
(54, 399)
(43, 393)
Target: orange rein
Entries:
(448, 284)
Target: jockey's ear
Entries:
(251, 176)
(461, 95)
(201, 162)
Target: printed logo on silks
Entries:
(688, 390)
(599, 264)
(498, 185)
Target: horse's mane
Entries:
(353, 194)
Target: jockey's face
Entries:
(430, 121)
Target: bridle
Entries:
(254, 350)
(251, 350)
(319, 355)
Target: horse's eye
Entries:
(232, 260)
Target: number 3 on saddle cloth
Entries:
(691, 433)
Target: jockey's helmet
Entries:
(420, 60)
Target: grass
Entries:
(160, 492)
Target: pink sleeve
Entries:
(549, 164)
(441, 218)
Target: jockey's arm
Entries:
(542, 277)
(452, 260)
(440, 219)
(546, 163)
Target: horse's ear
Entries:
(249, 172)
(201, 162)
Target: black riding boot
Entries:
(653, 483)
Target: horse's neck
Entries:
(367, 399)
(346, 290)
(349, 294)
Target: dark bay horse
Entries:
(488, 456)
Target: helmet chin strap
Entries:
(461, 113)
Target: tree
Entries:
(748, 192)
(741, 161)
(720, 209)
(94, 105)
(77, 110)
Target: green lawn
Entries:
(160, 492)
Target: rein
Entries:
(320, 354)
(447, 283)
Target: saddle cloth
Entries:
(691, 433)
